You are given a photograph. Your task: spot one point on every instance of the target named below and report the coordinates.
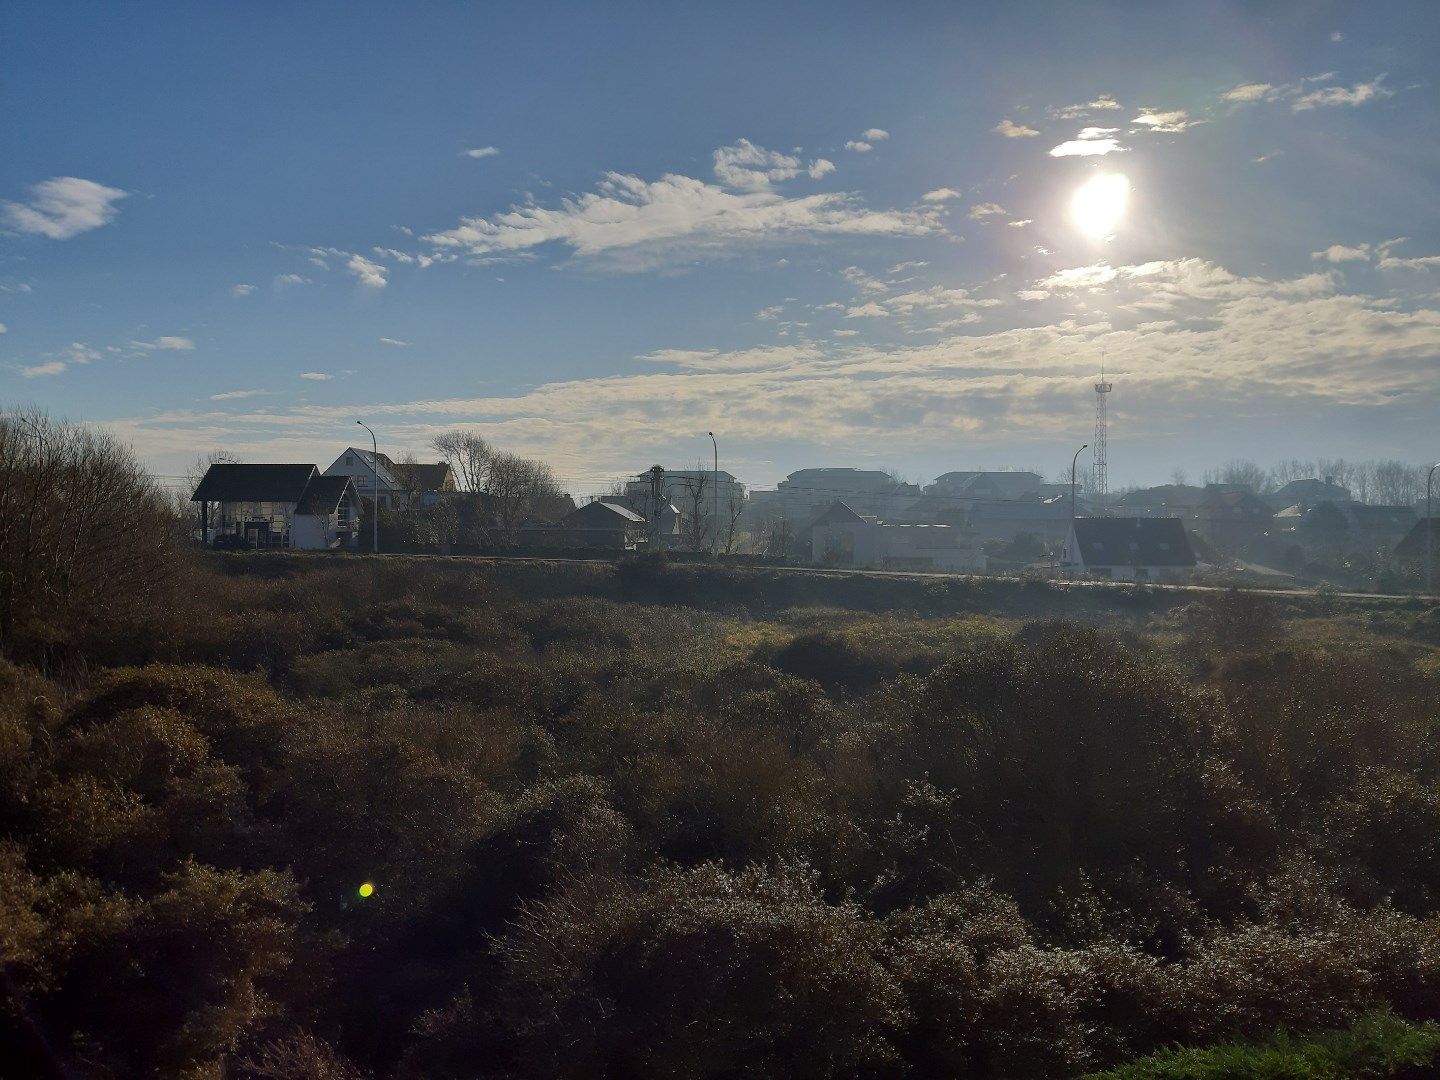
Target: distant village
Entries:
(474, 500)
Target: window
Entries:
(349, 459)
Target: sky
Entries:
(835, 234)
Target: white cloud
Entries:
(77, 352)
(1268, 156)
(4, 329)
(1337, 253)
(1309, 93)
(636, 224)
(1174, 121)
(1248, 92)
(749, 167)
(1012, 130)
(182, 344)
(1087, 147)
(940, 195)
(981, 211)
(1330, 96)
(1197, 350)
(62, 207)
(285, 280)
(1020, 224)
(481, 152)
(316, 376)
(820, 167)
(241, 289)
(39, 371)
(1337, 37)
(369, 274)
(772, 312)
(875, 135)
(394, 341)
(1071, 112)
(236, 395)
(859, 146)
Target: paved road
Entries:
(826, 571)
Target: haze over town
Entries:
(888, 238)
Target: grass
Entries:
(1379, 1044)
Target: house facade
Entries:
(842, 537)
(401, 486)
(276, 506)
(1128, 549)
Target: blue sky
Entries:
(835, 234)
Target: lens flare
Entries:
(1099, 204)
(366, 890)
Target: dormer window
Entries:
(350, 459)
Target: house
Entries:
(1308, 493)
(424, 484)
(276, 506)
(600, 525)
(807, 492)
(842, 537)
(682, 487)
(1045, 516)
(1233, 517)
(1379, 528)
(1133, 549)
(1166, 500)
(989, 486)
(1412, 548)
(398, 486)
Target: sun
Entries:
(1099, 204)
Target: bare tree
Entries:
(729, 522)
(468, 455)
(86, 539)
(1397, 484)
(516, 485)
(694, 490)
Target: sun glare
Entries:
(1099, 204)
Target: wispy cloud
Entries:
(62, 207)
(284, 281)
(1093, 142)
(238, 395)
(481, 152)
(860, 146)
(241, 290)
(1311, 92)
(635, 223)
(1103, 103)
(394, 341)
(1339, 253)
(1012, 130)
(940, 195)
(875, 134)
(749, 167)
(368, 273)
(316, 376)
(1173, 121)
(182, 344)
(40, 371)
(981, 211)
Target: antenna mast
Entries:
(1101, 472)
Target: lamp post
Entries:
(715, 495)
(1429, 527)
(1073, 460)
(375, 489)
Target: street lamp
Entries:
(715, 495)
(1073, 460)
(1429, 527)
(375, 490)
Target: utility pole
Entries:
(715, 495)
(657, 490)
(375, 490)
(1429, 528)
(1073, 460)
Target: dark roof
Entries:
(601, 515)
(1133, 542)
(254, 483)
(1386, 518)
(838, 513)
(1234, 503)
(323, 494)
(1166, 495)
(418, 477)
(1413, 546)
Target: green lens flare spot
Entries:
(366, 890)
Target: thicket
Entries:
(326, 819)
